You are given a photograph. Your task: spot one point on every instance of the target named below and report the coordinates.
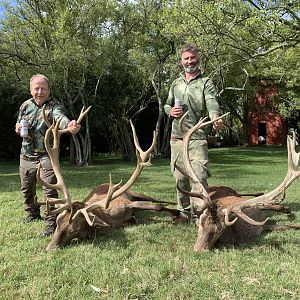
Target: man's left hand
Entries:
(73, 127)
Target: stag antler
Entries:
(53, 153)
(143, 160)
(189, 171)
(278, 194)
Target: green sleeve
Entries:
(170, 101)
(210, 99)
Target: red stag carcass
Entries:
(108, 206)
(227, 217)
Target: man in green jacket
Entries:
(33, 150)
(196, 94)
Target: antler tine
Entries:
(278, 194)
(293, 156)
(226, 219)
(109, 197)
(144, 156)
(53, 153)
(81, 116)
(201, 193)
(112, 188)
(44, 116)
(83, 112)
(143, 159)
(181, 121)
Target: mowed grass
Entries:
(153, 261)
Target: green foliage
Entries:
(153, 261)
(105, 53)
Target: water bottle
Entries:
(24, 128)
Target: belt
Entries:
(33, 158)
(174, 139)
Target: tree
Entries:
(58, 39)
(236, 36)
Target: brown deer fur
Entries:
(108, 206)
(226, 216)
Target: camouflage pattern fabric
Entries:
(198, 97)
(33, 145)
(198, 152)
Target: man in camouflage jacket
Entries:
(33, 150)
(196, 94)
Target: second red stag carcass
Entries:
(108, 206)
(224, 215)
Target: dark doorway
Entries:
(262, 133)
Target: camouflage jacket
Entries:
(33, 145)
(198, 97)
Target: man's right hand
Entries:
(18, 128)
(176, 111)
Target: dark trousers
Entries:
(28, 170)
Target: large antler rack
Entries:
(189, 171)
(275, 196)
(53, 152)
(143, 160)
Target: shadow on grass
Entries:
(118, 237)
(265, 240)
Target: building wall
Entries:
(266, 126)
(276, 128)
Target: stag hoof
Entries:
(49, 230)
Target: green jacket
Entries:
(198, 97)
(33, 145)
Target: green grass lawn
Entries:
(154, 261)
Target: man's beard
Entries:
(191, 69)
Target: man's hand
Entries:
(73, 127)
(18, 128)
(176, 111)
(218, 125)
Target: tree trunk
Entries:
(72, 150)
(162, 145)
(128, 151)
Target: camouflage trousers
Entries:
(198, 153)
(28, 170)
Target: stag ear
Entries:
(97, 221)
(75, 207)
(203, 217)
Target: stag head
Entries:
(217, 215)
(79, 219)
(68, 229)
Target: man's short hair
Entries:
(40, 76)
(190, 48)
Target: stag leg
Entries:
(249, 194)
(135, 196)
(153, 207)
(280, 227)
(277, 207)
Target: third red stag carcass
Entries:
(224, 215)
(108, 206)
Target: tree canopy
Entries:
(120, 57)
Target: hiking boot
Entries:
(49, 230)
(31, 218)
